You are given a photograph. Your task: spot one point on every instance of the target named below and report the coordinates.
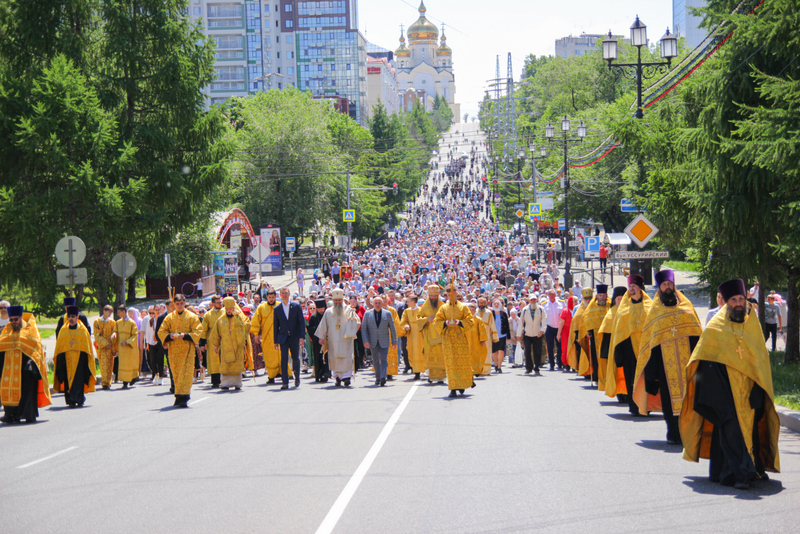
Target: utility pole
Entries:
(349, 226)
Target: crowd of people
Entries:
(447, 299)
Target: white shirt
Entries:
(711, 313)
(286, 308)
(532, 323)
(553, 310)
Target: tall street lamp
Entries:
(640, 71)
(549, 133)
(542, 155)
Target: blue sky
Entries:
(478, 31)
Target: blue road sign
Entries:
(562, 224)
(349, 216)
(592, 243)
(628, 206)
(519, 206)
(534, 209)
(544, 194)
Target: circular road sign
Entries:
(78, 250)
(126, 260)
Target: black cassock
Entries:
(28, 407)
(74, 392)
(321, 370)
(729, 460)
(625, 357)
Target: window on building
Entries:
(291, 55)
(198, 11)
(279, 55)
(290, 70)
(289, 39)
(348, 66)
(280, 85)
(279, 70)
(305, 68)
(319, 68)
(333, 66)
(289, 23)
(278, 39)
(287, 8)
(277, 24)
(266, 9)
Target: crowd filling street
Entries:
(447, 298)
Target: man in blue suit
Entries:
(290, 333)
(379, 334)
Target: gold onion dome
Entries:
(402, 51)
(422, 30)
(443, 49)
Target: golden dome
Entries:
(443, 49)
(422, 30)
(402, 51)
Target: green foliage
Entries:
(785, 380)
(442, 114)
(103, 135)
(190, 249)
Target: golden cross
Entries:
(740, 350)
(673, 331)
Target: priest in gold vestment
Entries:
(180, 331)
(605, 332)
(589, 332)
(262, 325)
(577, 346)
(728, 413)
(487, 321)
(670, 333)
(23, 371)
(104, 339)
(434, 357)
(452, 322)
(211, 358)
(229, 341)
(411, 324)
(74, 360)
(126, 337)
(476, 335)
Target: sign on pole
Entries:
(349, 216)
(123, 264)
(641, 230)
(641, 254)
(63, 278)
(627, 206)
(592, 243)
(290, 244)
(519, 213)
(534, 209)
(562, 224)
(70, 252)
(547, 204)
(519, 206)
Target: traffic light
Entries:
(494, 182)
(394, 188)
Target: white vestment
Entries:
(336, 333)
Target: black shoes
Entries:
(389, 377)
(383, 381)
(106, 388)
(297, 382)
(528, 372)
(285, 386)
(461, 391)
(453, 394)
(338, 382)
(224, 388)
(378, 382)
(124, 385)
(416, 376)
(269, 381)
(346, 382)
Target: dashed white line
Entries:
(40, 460)
(336, 511)
(201, 399)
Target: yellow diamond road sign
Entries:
(520, 213)
(349, 216)
(641, 230)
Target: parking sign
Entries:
(592, 243)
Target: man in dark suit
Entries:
(379, 334)
(290, 334)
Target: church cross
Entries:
(740, 350)
(401, 29)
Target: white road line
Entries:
(40, 460)
(201, 399)
(336, 511)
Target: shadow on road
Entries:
(659, 445)
(629, 417)
(757, 489)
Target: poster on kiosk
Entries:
(271, 248)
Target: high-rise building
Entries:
(577, 46)
(425, 66)
(262, 44)
(382, 84)
(685, 24)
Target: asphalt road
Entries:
(517, 453)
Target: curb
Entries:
(789, 418)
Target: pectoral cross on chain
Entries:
(674, 328)
(740, 350)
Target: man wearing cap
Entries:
(180, 332)
(211, 359)
(104, 327)
(23, 370)
(229, 341)
(531, 327)
(74, 374)
(126, 337)
(411, 324)
(336, 332)
(452, 322)
(70, 301)
(625, 341)
(321, 369)
(262, 326)
(577, 345)
(670, 333)
(589, 332)
(605, 332)
(434, 357)
(729, 388)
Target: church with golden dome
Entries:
(427, 62)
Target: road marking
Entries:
(336, 511)
(40, 460)
(201, 399)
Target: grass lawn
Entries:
(686, 266)
(46, 332)
(786, 381)
(51, 372)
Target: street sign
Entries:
(534, 208)
(562, 224)
(290, 244)
(349, 216)
(641, 230)
(574, 243)
(519, 206)
(75, 245)
(78, 277)
(594, 254)
(628, 206)
(519, 213)
(543, 194)
(547, 204)
(641, 254)
(123, 264)
(167, 265)
(592, 243)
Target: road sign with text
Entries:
(562, 224)
(641, 254)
